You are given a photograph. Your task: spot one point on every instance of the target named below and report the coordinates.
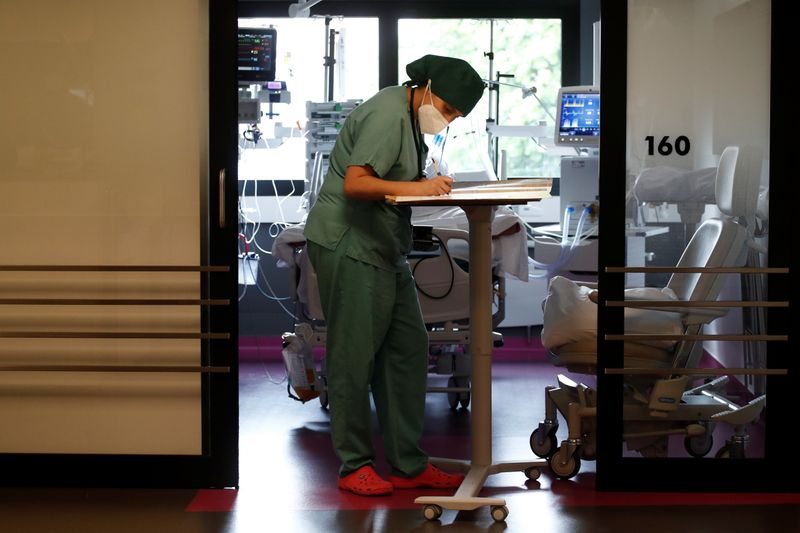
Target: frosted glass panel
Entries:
(103, 149)
(698, 92)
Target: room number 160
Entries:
(682, 145)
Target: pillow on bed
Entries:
(570, 316)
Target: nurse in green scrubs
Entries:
(357, 244)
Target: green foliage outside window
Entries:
(528, 49)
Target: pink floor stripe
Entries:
(665, 499)
(256, 348)
(213, 501)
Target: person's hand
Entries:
(435, 186)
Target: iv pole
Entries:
(329, 59)
(493, 118)
(492, 87)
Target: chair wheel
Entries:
(545, 448)
(564, 467)
(698, 446)
(458, 398)
(323, 394)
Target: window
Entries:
(301, 48)
(528, 49)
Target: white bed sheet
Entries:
(675, 185)
(509, 247)
(570, 316)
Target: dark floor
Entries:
(288, 474)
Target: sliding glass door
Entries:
(694, 151)
(117, 179)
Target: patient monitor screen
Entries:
(578, 114)
(256, 62)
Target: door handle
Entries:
(222, 221)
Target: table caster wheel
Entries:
(431, 512)
(499, 512)
(533, 472)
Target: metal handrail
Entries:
(112, 301)
(692, 270)
(691, 303)
(111, 335)
(116, 368)
(114, 268)
(689, 337)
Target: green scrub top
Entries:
(378, 133)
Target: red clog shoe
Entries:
(431, 477)
(365, 482)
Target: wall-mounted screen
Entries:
(256, 55)
(578, 116)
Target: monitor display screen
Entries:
(578, 115)
(256, 62)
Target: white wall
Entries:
(698, 68)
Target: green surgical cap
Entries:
(453, 80)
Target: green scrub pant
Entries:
(376, 337)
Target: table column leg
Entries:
(480, 327)
(480, 346)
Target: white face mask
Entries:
(431, 120)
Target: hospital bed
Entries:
(654, 407)
(441, 273)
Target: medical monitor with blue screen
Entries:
(578, 116)
(256, 63)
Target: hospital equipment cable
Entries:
(565, 251)
(266, 370)
(279, 299)
(246, 248)
(270, 292)
(276, 227)
(258, 269)
(449, 262)
(254, 275)
(550, 267)
(280, 205)
(484, 156)
(243, 214)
